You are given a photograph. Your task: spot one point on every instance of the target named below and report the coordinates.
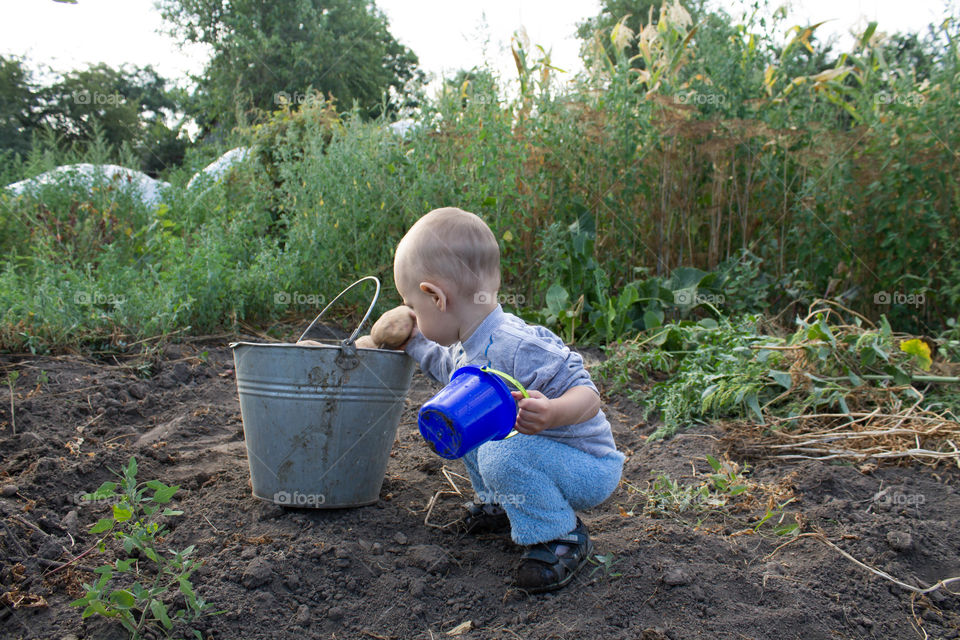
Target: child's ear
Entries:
(435, 292)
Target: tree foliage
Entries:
(19, 105)
(130, 106)
(268, 53)
(125, 107)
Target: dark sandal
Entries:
(483, 517)
(542, 568)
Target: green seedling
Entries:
(604, 563)
(780, 528)
(725, 478)
(142, 589)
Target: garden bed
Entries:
(708, 571)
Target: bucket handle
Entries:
(353, 336)
(514, 382)
(508, 378)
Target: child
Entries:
(447, 270)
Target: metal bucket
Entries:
(319, 421)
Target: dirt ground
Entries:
(379, 572)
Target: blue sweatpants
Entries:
(540, 483)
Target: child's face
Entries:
(431, 305)
(434, 319)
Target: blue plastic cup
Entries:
(474, 408)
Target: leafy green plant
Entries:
(602, 315)
(725, 478)
(714, 493)
(666, 495)
(693, 372)
(605, 565)
(144, 587)
(710, 367)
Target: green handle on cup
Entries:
(512, 381)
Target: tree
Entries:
(19, 105)
(129, 106)
(268, 52)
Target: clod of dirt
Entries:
(51, 549)
(303, 616)
(675, 577)
(50, 523)
(429, 557)
(400, 538)
(900, 541)
(258, 572)
(335, 613)
(9, 490)
(181, 373)
(417, 588)
(45, 466)
(431, 466)
(267, 511)
(342, 555)
(137, 391)
(71, 523)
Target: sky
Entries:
(446, 35)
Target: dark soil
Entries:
(379, 572)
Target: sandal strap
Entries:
(578, 544)
(541, 553)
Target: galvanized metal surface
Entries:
(319, 421)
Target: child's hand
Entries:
(413, 334)
(535, 413)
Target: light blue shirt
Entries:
(533, 355)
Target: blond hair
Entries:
(454, 246)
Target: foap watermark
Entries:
(899, 297)
(97, 98)
(303, 299)
(479, 98)
(297, 499)
(511, 299)
(98, 297)
(695, 97)
(890, 498)
(688, 297)
(495, 497)
(912, 99)
(283, 97)
(88, 499)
